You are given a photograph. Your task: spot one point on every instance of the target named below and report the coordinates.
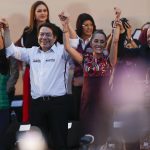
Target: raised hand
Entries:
(3, 23)
(63, 18)
(117, 13)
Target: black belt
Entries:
(45, 98)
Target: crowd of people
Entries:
(106, 71)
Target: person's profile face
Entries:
(41, 13)
(46, 38)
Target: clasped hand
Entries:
(3, 23)
(63, 18)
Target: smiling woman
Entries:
(98, 42)
(85, 26)
(95, 109)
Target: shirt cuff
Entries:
(9, 50)
(74, 42)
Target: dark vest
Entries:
(78, 71)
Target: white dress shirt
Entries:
(75, 42)
(46, 68)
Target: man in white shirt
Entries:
(48, 108)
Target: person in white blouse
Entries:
(47, 74)
(85, 27)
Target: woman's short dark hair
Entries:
(80, 20)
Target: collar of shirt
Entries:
(52, 49)
(85, 42)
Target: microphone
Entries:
(86, 140)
